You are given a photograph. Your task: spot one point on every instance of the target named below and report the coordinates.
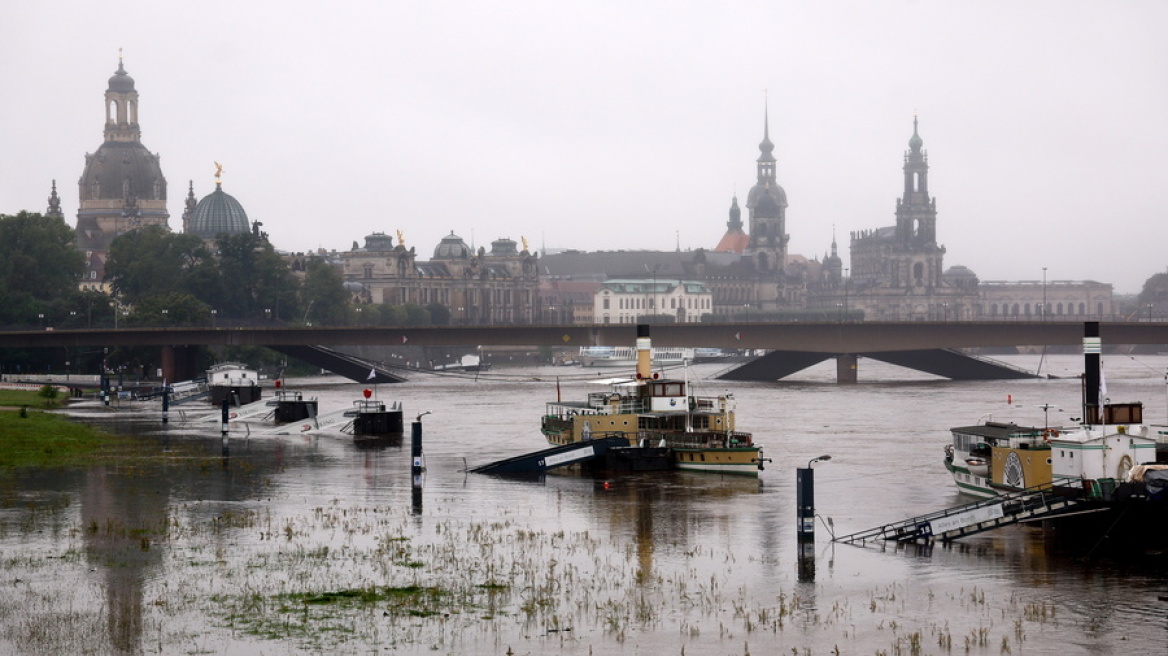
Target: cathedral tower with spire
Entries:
(767, 208)
(916, 212)
(122, 187)
(897, 271)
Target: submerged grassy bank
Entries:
(39, 439)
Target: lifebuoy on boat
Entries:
(1049, 433)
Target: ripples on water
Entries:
(205, 553)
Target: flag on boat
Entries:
(1102, 385)
(372, 374)
(405, 339)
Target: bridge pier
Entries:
(845, 368)
(180, 363)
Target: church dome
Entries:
(915, 142)
(217, 214)
(767, 201)
(958, 271)
(452, 247)
(122, 168)
(121, 81)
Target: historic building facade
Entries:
(122, 187)
(496, 287)
(1037, 300)
(632, 301)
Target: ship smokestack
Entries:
(644, 353)
(1092, 350)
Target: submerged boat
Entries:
(374, 419)
(652, 413)
(290, 405)
(1108, 460)
(233, 382)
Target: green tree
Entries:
(1153, 298)
(171, 309)
(39, 264)
(439, 314)
(390, 315)
(153, 261)
(416, 315)
(256, 281)
(323, 293)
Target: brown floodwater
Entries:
(307, 544)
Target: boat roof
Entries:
(617, 381)
(997, 430)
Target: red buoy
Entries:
(367, 392)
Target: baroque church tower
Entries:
(897, 271)
(916, 212)
(767, 208)
(122, 187)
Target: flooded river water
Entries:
(309, 544)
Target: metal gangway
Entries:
(1032, 504)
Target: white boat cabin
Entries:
(1101, 452)
(232, 374)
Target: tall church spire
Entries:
(916, 212)
(54, 209)
(735, 240)
(766, 158)
(767, 207)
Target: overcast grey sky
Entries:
(606, 125)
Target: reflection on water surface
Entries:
(309, 543)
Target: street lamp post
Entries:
(214, 317)
(41, 320)
(805, 501)
(1043, 294)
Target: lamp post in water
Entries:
(805, 499)
(805, 517)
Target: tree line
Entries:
(160, 278)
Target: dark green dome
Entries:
(121, 81)
(217, 214)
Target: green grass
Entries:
(40, 439)
(31, 398)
